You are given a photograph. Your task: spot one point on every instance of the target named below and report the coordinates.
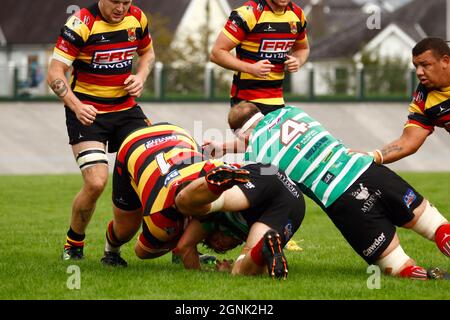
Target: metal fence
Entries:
(209, 83)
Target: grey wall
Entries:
(33, 136)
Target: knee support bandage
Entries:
(90, 157)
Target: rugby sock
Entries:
(442, 239)
(414, 272)
(74, 239)
(218, 189)
(112, 243)
(256, 253)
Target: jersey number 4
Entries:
(291, 129)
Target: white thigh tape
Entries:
(90, 157)
(430, 220)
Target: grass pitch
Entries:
(35, 215)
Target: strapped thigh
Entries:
(91, 157)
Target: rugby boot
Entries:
(227, 176)
(72, 253)
(207, 259)
(437, 274)
(414, 273)
(113, 259)
(272, 252)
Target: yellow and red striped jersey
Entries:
(430, 108)
(101, 54)
(262, 34)
(159, 158)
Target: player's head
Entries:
(220, 241)
(114, 11)
(279, 4)
(431, 57)
(223, 233)
(241, 115)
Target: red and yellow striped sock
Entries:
(74, 239)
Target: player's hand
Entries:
(134, 85)
(85, 114)
(224, 265)
(292, 63)
(261, 69)
(212, 149)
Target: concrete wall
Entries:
(33, 136)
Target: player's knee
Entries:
(144, 249)
(94, 186)
(124, 235)
(140, 253)
(394, 262)
(429, 221)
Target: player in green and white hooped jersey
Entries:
(298, 144)
(365, 200)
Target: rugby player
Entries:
(430, 106)
(269, 37)
(99, 44)
(158, 181)
(265, 213)
(365, 200)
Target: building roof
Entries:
(416, 19)
(39, 22)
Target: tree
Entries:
(384, 75)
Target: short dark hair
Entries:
(438, 46)
(241, 113)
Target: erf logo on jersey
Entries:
(113, 59)
(276, 45)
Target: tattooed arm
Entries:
(408, 143)
(57, 81)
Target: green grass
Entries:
(34, 213)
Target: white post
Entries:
(208, 81)
(311, 92)
(10, 77)
(411, 81)
(360, 80)
(448, 20)
(158, 79)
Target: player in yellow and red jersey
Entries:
(151, 165)
(269, 37)
(99, 43)
(430, 106)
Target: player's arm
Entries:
(187, 245)
(73, 37)
(409, 142)
(135, 83)
(215, 149)
(56, 79)
(221, 55)
(198, 199)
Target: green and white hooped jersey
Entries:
(298, 144)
